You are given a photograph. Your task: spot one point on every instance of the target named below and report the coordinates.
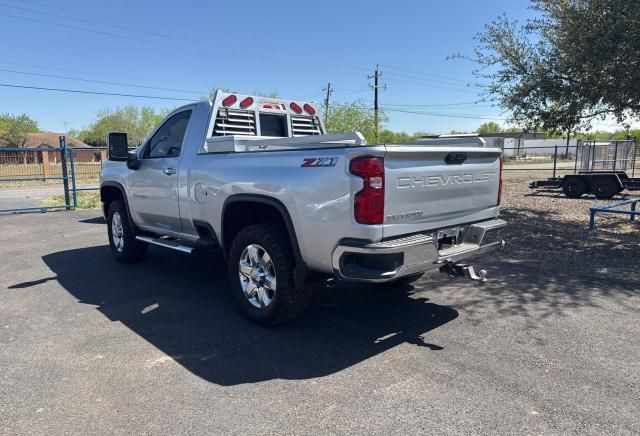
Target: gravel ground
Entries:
(551, 231)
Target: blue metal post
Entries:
(633, 209)
(555, 161)
(65, 178)
(592, 220)
(73, 178)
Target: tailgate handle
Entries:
(455, 158)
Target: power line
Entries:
(56, 76)
(436, 82)
(113, 34)
(421, 73)
(423, 82)
(258, 56)
(469, 90)
(130, 29)
(350, 91)
(84, 29)
(404, 105)
(433, 114)
(79, 91)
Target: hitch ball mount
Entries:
(463, 270)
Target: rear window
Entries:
(273, 125)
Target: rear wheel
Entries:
(605, 187)
(261, 265)
(122, 240)
(574, 187)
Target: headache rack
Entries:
(246, 115)
(234, 122)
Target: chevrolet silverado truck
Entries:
(287, 204)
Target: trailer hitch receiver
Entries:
(464, 270)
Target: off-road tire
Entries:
(132, 250)
(288, 301)
(605, 187)
(574, 187)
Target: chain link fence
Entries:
(528, 162)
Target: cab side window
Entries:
(167, 141)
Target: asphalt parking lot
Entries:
(89, 345)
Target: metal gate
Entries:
(607, 156)
(44, 179)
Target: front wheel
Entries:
(260, 264)
(122, 240)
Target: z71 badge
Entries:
(319, 162)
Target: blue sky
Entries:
(293, 47)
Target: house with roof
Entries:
(40, 141)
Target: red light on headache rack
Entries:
(246, 102)
(309, 109)
(229, 100)
(275, 106)
(295, 107)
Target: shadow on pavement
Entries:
(182, 306)
(549, 268)
(96, 220)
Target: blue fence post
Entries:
(592, 219)
(73, 178)
(633, 209)
(65, 178)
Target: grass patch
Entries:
(86, 200)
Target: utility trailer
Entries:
(602, 168)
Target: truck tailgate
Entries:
(431, 186)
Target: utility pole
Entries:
(375, 87)
(326, 101)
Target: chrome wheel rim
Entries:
(117, 232)
(257, 276)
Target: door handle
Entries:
(169, 171)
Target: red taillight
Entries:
(246, 102)
(275, 106)
(296, 108)
(229, 100)
(369, 201)
(500, 182)
(309, 109)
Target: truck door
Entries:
(154, 185)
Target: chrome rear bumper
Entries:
(395, 258)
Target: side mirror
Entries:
(118, 146)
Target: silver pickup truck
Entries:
(260, 180)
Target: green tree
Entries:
(387, 136)
(575, 61)
(138, 122)
(358, 116)
(15, 129)
(489, 127)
